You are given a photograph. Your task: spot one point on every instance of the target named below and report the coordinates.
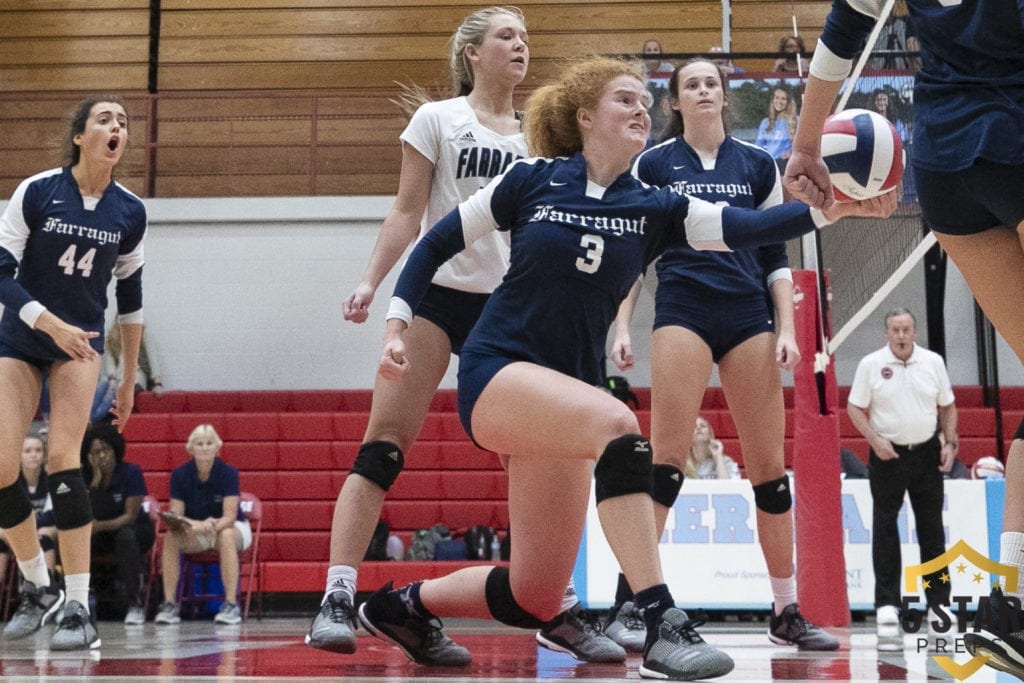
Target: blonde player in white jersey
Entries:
(450, 149)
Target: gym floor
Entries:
(272, 649)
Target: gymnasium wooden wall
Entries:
(291, 97)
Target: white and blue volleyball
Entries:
(864, 154)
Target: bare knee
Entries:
(620, 422)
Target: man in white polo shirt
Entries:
(902, 401)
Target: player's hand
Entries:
(356, 308)
(124, 402)
(393, 362)
(622, 352)
(787, 353)
(72, 340)
(807, 179)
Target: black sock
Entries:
(406, 602)
(654, 601)
(623, 593)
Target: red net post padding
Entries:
(820, 564)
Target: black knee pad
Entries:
(1019, 434)
(624, 468)
(15, 507)
(47, 544)
(502, 604)
(667, 482)
(380, 462)
(71, 506)
(774, 497)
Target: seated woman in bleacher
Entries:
(33, 478)
(116, 491)
(204, 515)
(707, 459)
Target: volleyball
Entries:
(988, 468)
(863, 153)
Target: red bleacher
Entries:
(294, 449)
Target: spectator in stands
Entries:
(49, 277)
(148, 376)
(733, 310)
(657, 74)
(793, 60)
(489, 58)
(724, 63)
(203, 515)
(653, 62)
(899, 394)
(775, 134)
(582, 229)
(121, 526)
(880, 102)
(33, 478)
(707, 459)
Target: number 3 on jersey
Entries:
(591, 261)
(84, 264)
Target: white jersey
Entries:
(466, 155)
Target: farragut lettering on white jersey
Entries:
(466, 156)
(742, 175)
(576, 249)
(59, 251)
(980, 43)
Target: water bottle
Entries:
(495, 548)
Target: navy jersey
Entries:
(204, 499)
(577, 249)
(743, 175)
(969, 94)
(65, 249)
(125, 482)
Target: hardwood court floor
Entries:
(272, 650)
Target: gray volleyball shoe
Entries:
(680, 654)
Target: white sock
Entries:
(341, 577)
(34, 570)
(569, 598)
(77, 588)
(784, 592)
(1011, 551)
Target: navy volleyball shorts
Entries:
(970, 201)
(723, 324)
(452, 310)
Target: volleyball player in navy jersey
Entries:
(451, 148)
(582, 228)
(968, 165)
(716, 308)
(65, 233)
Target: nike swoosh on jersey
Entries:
(676, 168)
(554, 184)
(58, 201)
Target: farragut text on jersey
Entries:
(617, 225)
(102, 236)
